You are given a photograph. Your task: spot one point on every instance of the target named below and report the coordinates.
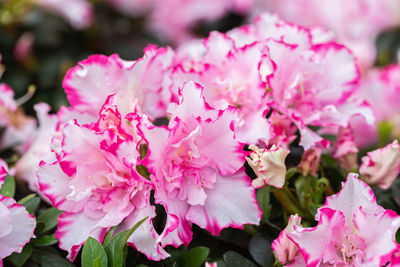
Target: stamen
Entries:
(25, 98)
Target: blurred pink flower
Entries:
(382, 166)
(79, 13)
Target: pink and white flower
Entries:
(352, 230)
(94, 182)
(17, 224)
(196, 167)
(39, 149)
(356, 23)
(79, 13)
(382, 166)
(134, 83)
(308, 86)
(269, 165)
(285, 250)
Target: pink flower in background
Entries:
(310, 88)
(18, 126)
(24, 46)
(356, 23)
(345, 149)
(79, 13)
(196, 167)
(352, 230)
(173, 19)
(381, 89)
(133, 7)
(345, 143)
(39, 149)
(7, 103)
(269, 165)
(17, 225)
(95, 183)
(382, 166)
(310, 161)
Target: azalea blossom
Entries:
(93, 180)
(269, 165)
(173, 19)
(196, 167)
(134, 83)
(230, 75)
(352, 230)
(17, 224)
(18, 126)
(356, 23)
(79, 13)
(382, 166)
(380, 88)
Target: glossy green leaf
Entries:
(260, 250)
(18, 259)
(115, 247)
(54, 260)
(46, 240)
(32, 204)
(25, 199)
(93, 254)
(194, 257)
(109, 235)
(234, 259)
(8, 187)
(49, 219)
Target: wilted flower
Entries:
(269, 165)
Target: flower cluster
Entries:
(103, 156)
(198, 131)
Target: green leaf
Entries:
(49, 219)
(32, 204)
(109, 235)
(46, 240)
(263, 197)
(93, 254)
(263, 200)
(194, 257)
(290, 173)
(18, 259)
(8, 187)
(234, 259)
(385, 129)
(313, 208)
(260, 250)
(115, 247)
(54, 260)
(25, 199)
